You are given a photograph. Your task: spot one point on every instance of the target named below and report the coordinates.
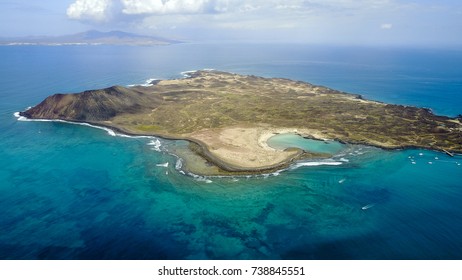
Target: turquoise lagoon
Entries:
(287, 140)
(76, 192)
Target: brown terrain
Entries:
(229, 117)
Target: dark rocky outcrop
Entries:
(92, 105)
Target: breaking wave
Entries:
(199, 178)
(19, 117)
(147, 83)
(155, 145)
(155, 142)
(317, 163)
(179, 164)
(187, 74)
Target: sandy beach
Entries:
(246, 148)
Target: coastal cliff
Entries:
(217, 110)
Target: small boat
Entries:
(368, 206)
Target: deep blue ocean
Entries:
(75, 192)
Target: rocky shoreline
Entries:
(229, 117)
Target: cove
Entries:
(290, 140)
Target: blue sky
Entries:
(363, 22)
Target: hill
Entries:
(92, 37)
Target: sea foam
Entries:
(19, 117)
(155, 145)
(155, 141)
(108, 130)
(318, 163)
(187, 74)
(179, 164)
(199, 178)
(147, 83)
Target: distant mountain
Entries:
(92, 37)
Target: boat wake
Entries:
(365, 207)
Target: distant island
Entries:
(92, 37)
(229, 117)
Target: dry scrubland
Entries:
(229, 117)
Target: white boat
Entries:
(368, 206)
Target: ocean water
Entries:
(75, 192)
(287, 140)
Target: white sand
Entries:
(247, 146)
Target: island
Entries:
(228, 117)
(91, 37)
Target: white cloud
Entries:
(102, 10)
(135, 7)
(348, 21)
(386, 26)
(96, 10)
